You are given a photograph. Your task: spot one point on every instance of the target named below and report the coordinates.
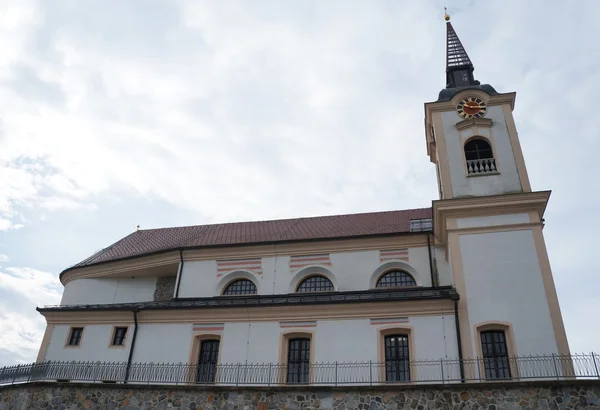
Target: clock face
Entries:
(471, 107)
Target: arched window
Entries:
(395, 279)
(240, 287)
(479, 156)
(315, 283)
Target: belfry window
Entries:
(315, 283)
(240, 287)
(480, 158)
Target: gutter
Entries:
(179, 274)
(433, 284)
(459, 342)
(135, 328)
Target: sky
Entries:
(164, 113)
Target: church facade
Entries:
(466, 281)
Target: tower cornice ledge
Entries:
(446, 211)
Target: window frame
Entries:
(212, 376)
(114, 334)
(70, 335)
(194, 357)
(396, 368)
(511, 351)
(284, 344)
(392, 270)
(393, 330)
(313, 276)
(233, 281)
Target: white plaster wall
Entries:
(198, 279)
(504, 283)
(94, 345)
(508, 219)
(352, 271)
(257, 342)
(508, 179)
(163, 343)
(109, 290)
(444, 268)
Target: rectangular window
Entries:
(208, 361)
(397, 361)
(495, 354)
(75, 336)
(298, 360)
(420, 225)
(119, 336)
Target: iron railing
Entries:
(558, 367)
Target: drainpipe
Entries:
(459, 342)
(179, 273)
(430, 262)
(135, 328)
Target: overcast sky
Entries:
(164, 113)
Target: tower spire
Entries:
(459, 68)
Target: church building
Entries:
(452, 292)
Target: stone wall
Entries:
(165, 286)
(526, 395)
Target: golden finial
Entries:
(138, 228)
(446, 16)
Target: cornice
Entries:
(474, 122)
(486, 206)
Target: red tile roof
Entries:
(144, 242)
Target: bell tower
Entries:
(488, 218)
(471, 134)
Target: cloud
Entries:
(117, 113)
(21, 326)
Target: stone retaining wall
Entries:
(529, 395)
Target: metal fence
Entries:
(521, 368)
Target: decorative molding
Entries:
(312, 323)
(474, 122)
(393, 254)
(284, 313)
(486, 206)
(300, 261)
(227, 266)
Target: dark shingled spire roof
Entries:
(456, 55)
(151, 241)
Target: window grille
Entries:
(495, 354)
(208, 360)
(298, 360)
(420, 225)
(315, 284)
(397, 361)
(240, 287)
(396, 278)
